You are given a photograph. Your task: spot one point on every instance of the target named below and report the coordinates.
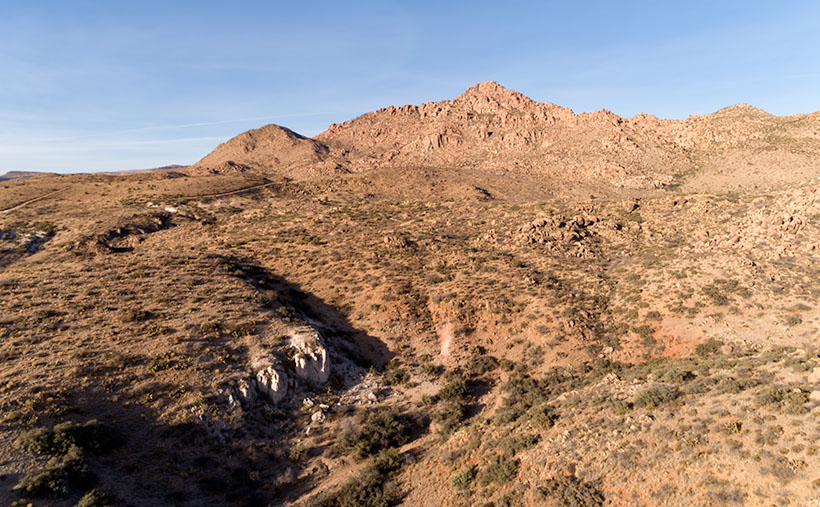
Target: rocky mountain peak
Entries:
(490, 96)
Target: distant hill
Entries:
(269, 149)
(16, 175)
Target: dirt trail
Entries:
(26, 203)
(445, 332)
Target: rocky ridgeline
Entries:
(491, 128)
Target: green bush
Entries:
(479, 365)
(793, 320)
(96, 498)
(395, 376)
(499, 471)
(297, 453)
(770, 395)
(159, 364)
(450, 415)
(464, 477)
(528, 396)
(509, 414)
(512, 446)
(674, 374)
(380, 429)
(542, 415)
(387, 462)
(570, 491)
(372, 488)
(708, 348)
(656, 395)
(790, 402)
(455, 389)
(92, 437)
(60, 478)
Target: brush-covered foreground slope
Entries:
(407, 335)
(491, 128)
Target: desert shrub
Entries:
(372, 488)
(513, 498)
(529, 396)
(794, 402)
(297, 452)
(366, 490)
(736, 385)
(159, 364)
(535, 356)
(456, 388)
(46, 227)
(644, 331)
(138, 315)
(509, 414)
(619, 406)
(673, 373)
(464, 477)
(542, 415)
(454, 409)
(570, 491)
(512, 446)
(431, 370)
(60, 478)
(387, 461)
(708, 348)
(426, 399)
(781, 468)
(656, 395)
(479, 365)
(716, 295)
(793, 320)
(380, 429)
(499, 471)
(788, 399)
(95, 498)
(450, 415)
(395, 376)
(775, 354)
(92, 437)
(801, 364)
(451, 456)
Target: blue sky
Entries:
(102, 85)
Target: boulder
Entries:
(310, 358)
(814, 376)
(271, 379)
(246, 392)
(318, 417)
